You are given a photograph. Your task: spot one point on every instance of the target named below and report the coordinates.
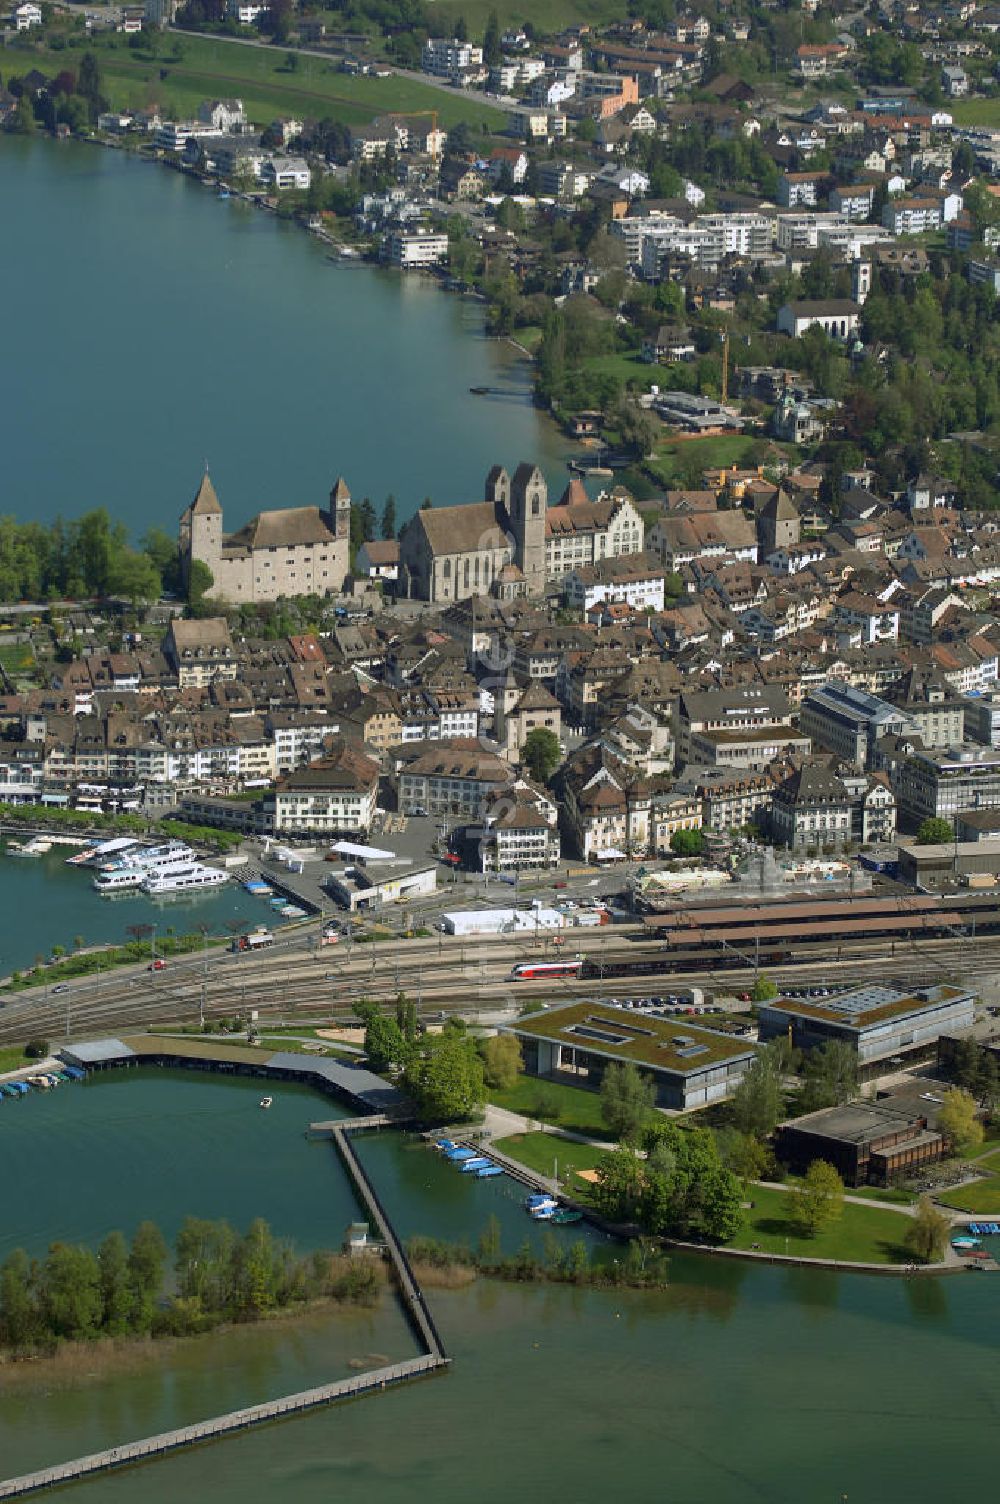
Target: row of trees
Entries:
(72, 99)
(127, 1289)
(89, 556)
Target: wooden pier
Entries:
(412, 1295)
(433, 1359)
(220, 1425)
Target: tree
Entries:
(830, 1076)
(200, 581)
(502, 1062)
(758, 1100)
(135, 576)
(928, 1233)
(389, 517)
(935, 832)
(619, 1185)
(763, 990)
(461, 29)
(70, 1292)
(627, 1098)
(821, 1199)
(258, 1269)
(447, 1078)
(367, 515)
(88, 85)
(116, 1290)
(384, 1042)
(492, 49)
(957, 1119)
(721, 1204)
(540, 753)
(687, 842)
(21, 122)
(18, 1308)
(146, 1262)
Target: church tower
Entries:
(498, 488)
(338, 517)
(861, 280)
(529, 497)
(200, 532)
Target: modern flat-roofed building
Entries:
(850, 721)
(876, 1021)
(577, 1041)
(946, 782)
(868, 1143)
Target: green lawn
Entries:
(717, 449)
(543, 1151)
(628, 369)
(546, 16)
(209, 67)
(16, 657)
(866, 1235)
(12, 1058)
(989, 1145)
(975, 111)
(552, 1102)
(982, 1196)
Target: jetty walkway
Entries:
(220, 1425)
(341, 1130)
(433, 1359)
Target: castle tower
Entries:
(529, 498)
(200, 531)
(338, 517)
(861, 280)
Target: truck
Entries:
(253, 940)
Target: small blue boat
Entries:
(457, 1154)
(486, 1172)
(444, 1144)
(75, 1073)
(477, 1163)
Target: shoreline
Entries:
(75, 1364)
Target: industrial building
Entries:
(576, 1042)
(976, 862)
(878, 1022)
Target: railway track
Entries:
(308, 989)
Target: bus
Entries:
(545, 971)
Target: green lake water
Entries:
(737, 1385)
(44, 903)
(156, 327)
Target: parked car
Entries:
(158, 965)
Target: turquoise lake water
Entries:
(155, 327)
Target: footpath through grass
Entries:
(568, 1107)
(862, 1235)
(544, 1152)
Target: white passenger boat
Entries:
(121, 879)
(190, 878)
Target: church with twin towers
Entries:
(510, 544)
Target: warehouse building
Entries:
(877, 1022)
(934, 866)
(576, 1042)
